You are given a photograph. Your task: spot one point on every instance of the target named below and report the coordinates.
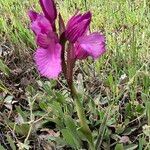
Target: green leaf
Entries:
(129, 130)
(60, 98)
(23, 114)
(60, 141)
(148, 111)
(4, 68)
(131, 147)
(57, 108)
(119, 147)
(48, 85)
(3, 87)
(69, 122)
(2, 148)
(69, 138)
(22, 129)
(43, 105)
(11, 142)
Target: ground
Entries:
(37, 113)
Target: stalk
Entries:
(68, 72)
(82, 119)
(63, 42)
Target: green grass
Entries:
(125, 24)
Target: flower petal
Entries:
(48, 60)
(93, 45)
(79, 52)
(33, 15)
(77, 18)
(44, 40)
(77, 26)
(39, 23)
(49, 9)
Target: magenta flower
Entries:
(48, 55)
(84, 45)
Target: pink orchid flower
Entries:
(84, 45)
(49, 56)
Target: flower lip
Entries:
(48, 61)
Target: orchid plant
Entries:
(58, 51)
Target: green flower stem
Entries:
(82, 119)
(68, 72)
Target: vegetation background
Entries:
(36, 113)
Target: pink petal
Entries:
(49, 9)
(77, 26)
(79, 52)
(93, 45)
(77, 18)
(40, 24)
(44, 40)
(48, 60)
(33, 15)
